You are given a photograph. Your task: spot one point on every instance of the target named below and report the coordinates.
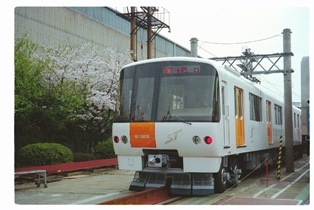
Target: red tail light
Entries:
(208, 139)
(116, 139)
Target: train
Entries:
(195, 125)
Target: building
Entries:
(102, 25)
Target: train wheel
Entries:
(221, 180)
(234, 173)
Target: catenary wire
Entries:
(246, 42)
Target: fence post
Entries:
(266, 172)
(279, 158)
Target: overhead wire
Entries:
(246, 42)
(233, 43)
(280, 93)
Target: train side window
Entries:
(278, 115)
(268, 111)
(238, 101)
(255, 107)
(235, 103)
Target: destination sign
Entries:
(181, 69)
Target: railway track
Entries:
(255, 189)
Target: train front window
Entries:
(189, 93)
(169, 92)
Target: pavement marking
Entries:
(289, 185)
(264, 190)
(304, 194)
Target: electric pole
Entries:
(151, 19)
(133, 35)
(288, 102)
(149, 32)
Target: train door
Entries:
(239, 118)
(269, 123)
(225, 114)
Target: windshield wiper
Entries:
(182, 120)
(168, 115)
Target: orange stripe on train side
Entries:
(142, 135)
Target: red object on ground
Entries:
(67, 167)
(146, 197)
(266, 172)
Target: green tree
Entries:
(65, 94)
(29, 91)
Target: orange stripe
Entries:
(142, 135)
(269, 133)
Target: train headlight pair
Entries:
(197, 140)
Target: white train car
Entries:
(194, 125)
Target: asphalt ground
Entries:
(100, 186)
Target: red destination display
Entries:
(181, 69)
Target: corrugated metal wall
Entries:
(57, 25)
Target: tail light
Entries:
(116, 139)
(208, 139)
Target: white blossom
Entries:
(93, 68)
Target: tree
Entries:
(85, 78)
(65, 94)
(28, 91)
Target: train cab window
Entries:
(169, 91)
(255, 107)
(188, 91)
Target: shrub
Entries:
(77, 157)
(44, 154)
(104, 149)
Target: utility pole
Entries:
(149, 33)
(288, 101)
(150, 19)
(133, 35)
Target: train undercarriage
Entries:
(166, 170)
(157, 173)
